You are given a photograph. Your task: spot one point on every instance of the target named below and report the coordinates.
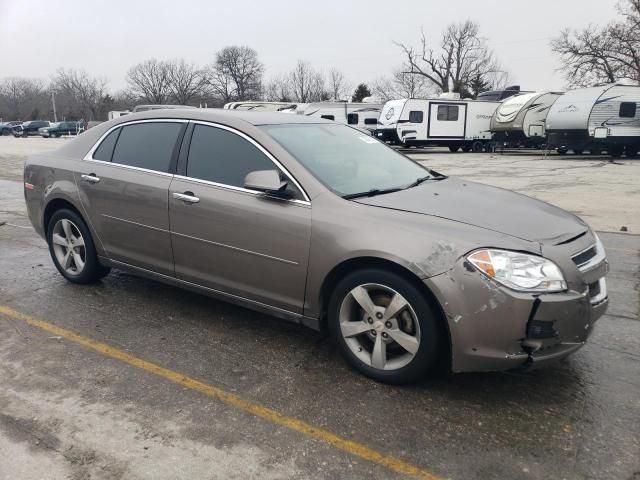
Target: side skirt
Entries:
(310, 322)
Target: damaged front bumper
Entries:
(495, 328)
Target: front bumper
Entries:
(495, 328)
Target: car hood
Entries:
(485, 207)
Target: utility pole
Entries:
(53, 101)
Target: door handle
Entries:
(91, 178)
(187, 197)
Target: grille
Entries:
(541, 329)
(584, 256)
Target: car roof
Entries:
(223, 116)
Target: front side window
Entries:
(352, 119)
(415, 116)
(628, 109)
(346, 160)
(104, 151)
(221, 156)
(448, 113)
(147, 145)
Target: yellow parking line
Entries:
(349, 446)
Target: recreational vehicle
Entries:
(520, 121)
(363, 116)
(605, 117)
(448, 121)
(258, 106)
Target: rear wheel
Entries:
(631, 152)
(454, 148)
(72, 248)
(477, 146)
(466, 148)
(384, 326)
(616, 151)
(562, 150)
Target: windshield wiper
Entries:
(419, 181)
(371, 193)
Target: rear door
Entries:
(447, 120)
(232, 239)
(124, 187)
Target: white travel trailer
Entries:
(605, 117)
(264, 106)
(520, 120)
(448, 121)
(359, 115)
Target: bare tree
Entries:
(89, 94)
(23, 98)
(602, 54)
(462, 53)
(278, 89)
(586, 56)
(237, 73)
(401, 84)
(338, 85)
(150, 81)
(307, 84)
(185, 81)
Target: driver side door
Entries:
(232, 239)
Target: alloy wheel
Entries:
(69, 247)
(379, 326)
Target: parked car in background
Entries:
(29, 128)
(58, 129)
(6, 128)
(404, 265)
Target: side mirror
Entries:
(267, 181)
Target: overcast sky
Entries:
(106, 38)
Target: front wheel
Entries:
(72, 248)
(384, 326)
(562, 150)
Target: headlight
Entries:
(519, 271)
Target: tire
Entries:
(466, 148)
(631, 152)
(454, 148)
(562, 150)
(595, 151)
(477, 146)
(83, 266)
(416, 324)
(6, 132)
(615, 151)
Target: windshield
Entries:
(346, 160)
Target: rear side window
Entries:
(370, 121)
(221, 156)
(329, 117)
(105, 149)
(416, 116)
(352, 119)
(628, 109)
(448, 113)
(147, 145)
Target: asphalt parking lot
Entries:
(132, 379)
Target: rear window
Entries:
(105, 149)
(628, 109)
(147, 145)
(416, 116)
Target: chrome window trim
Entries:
(263, 150)
(224, 186)
(89, 155)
